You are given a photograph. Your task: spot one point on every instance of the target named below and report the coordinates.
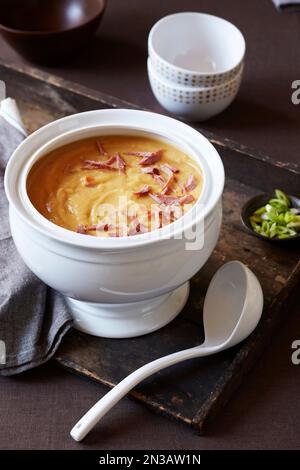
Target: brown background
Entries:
(38, 408)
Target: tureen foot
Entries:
(128, 320)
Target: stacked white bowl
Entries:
(195, 64)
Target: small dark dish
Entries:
(52, 31)
(261, 200)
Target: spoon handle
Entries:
(90, 419)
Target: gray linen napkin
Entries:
(33, 318)
(287, 5)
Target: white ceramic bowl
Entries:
(193, 103)
(116, 287)
(196, 49)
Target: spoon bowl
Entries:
(232, 309)
(233, 305)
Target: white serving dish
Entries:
(196, 49)
(116, 287)
(193, 103)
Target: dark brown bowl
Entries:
(261, 200)
(52, 31)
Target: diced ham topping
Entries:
(191, 183)
(167, 186)
(181, 187)
(102, 227)
(151, 171)
(163, 199)
(143, 228)
(96, 165)
(186, 199)
(155, 173)
(121, 165)
(160, 180)
(168, 169)
(155, 157)
(100, 148)
(136, 227)
(144, 191)
(111, 160)
(82, 229)
(172, 200)
(133, 230)
(148, 158)
(107, 165)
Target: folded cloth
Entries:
(33, 318)
(289, 5)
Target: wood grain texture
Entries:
(192, 392)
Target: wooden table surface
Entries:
(38, 408)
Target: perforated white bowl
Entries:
(194, 103)
(196, 49)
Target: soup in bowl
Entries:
(119, 279)
(115, 185)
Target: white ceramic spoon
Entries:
(232, 309)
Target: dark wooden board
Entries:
(192, 392)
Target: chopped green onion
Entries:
(283, 197)
(278, 205)
(294, 225)
(276, 219)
